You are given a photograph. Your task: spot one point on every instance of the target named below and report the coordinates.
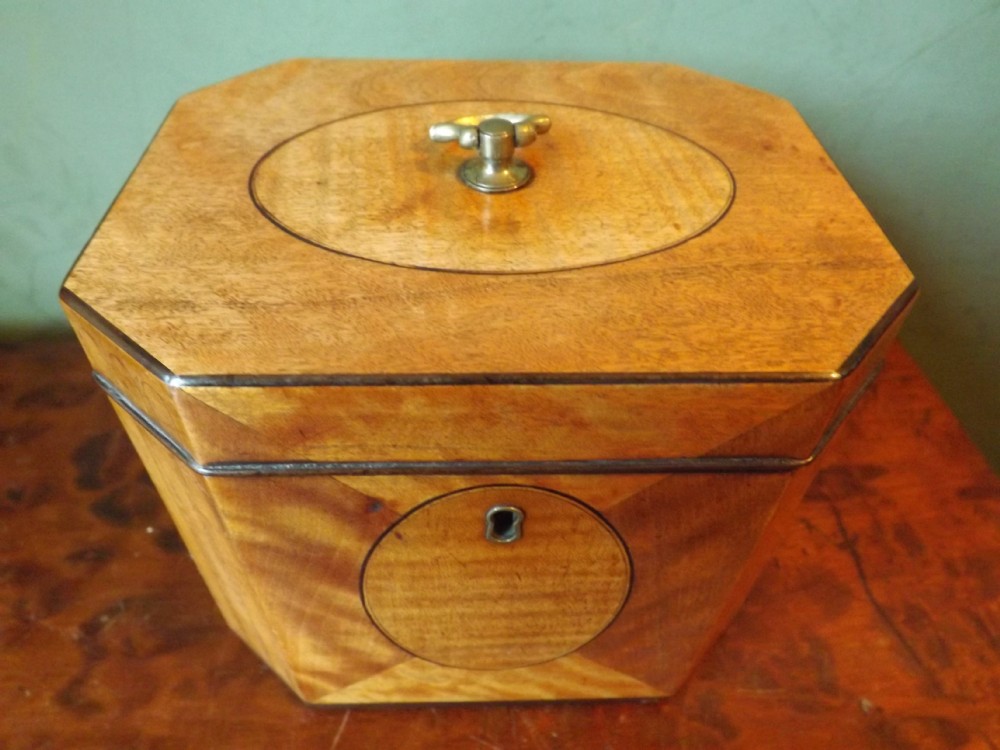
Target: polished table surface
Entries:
(876, 625)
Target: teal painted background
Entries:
(905, 96)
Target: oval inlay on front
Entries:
(438, 587)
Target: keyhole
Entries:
(503, 523)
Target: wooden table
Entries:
(876, 626)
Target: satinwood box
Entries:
(530, 438)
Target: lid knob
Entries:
(496, 169)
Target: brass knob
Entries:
(495, 169)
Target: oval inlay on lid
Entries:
(607, 188)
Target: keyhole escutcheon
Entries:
(503, 523)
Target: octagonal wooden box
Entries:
(427, 443)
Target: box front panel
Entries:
(693, 544)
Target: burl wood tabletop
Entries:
(877, 625)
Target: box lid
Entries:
(790, 280)
(296, 226)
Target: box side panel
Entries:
(786, 433)
(697, 543)
(193, 509)
(141, 386)
(525, 422)
(302, 541)
(500, 422)
(488, 422)
(705, 539)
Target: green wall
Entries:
(905, 95)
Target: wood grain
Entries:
(301, 542)
(298, 546)
(744, 328)
(473, 422)
(286, 556)
(791, 280)
(205, 535)
(376, 187)
(875, 627)
(794, 427)
(436, 586)
(693, 540)
(573, 677)
(159, 402)
(492, 422)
